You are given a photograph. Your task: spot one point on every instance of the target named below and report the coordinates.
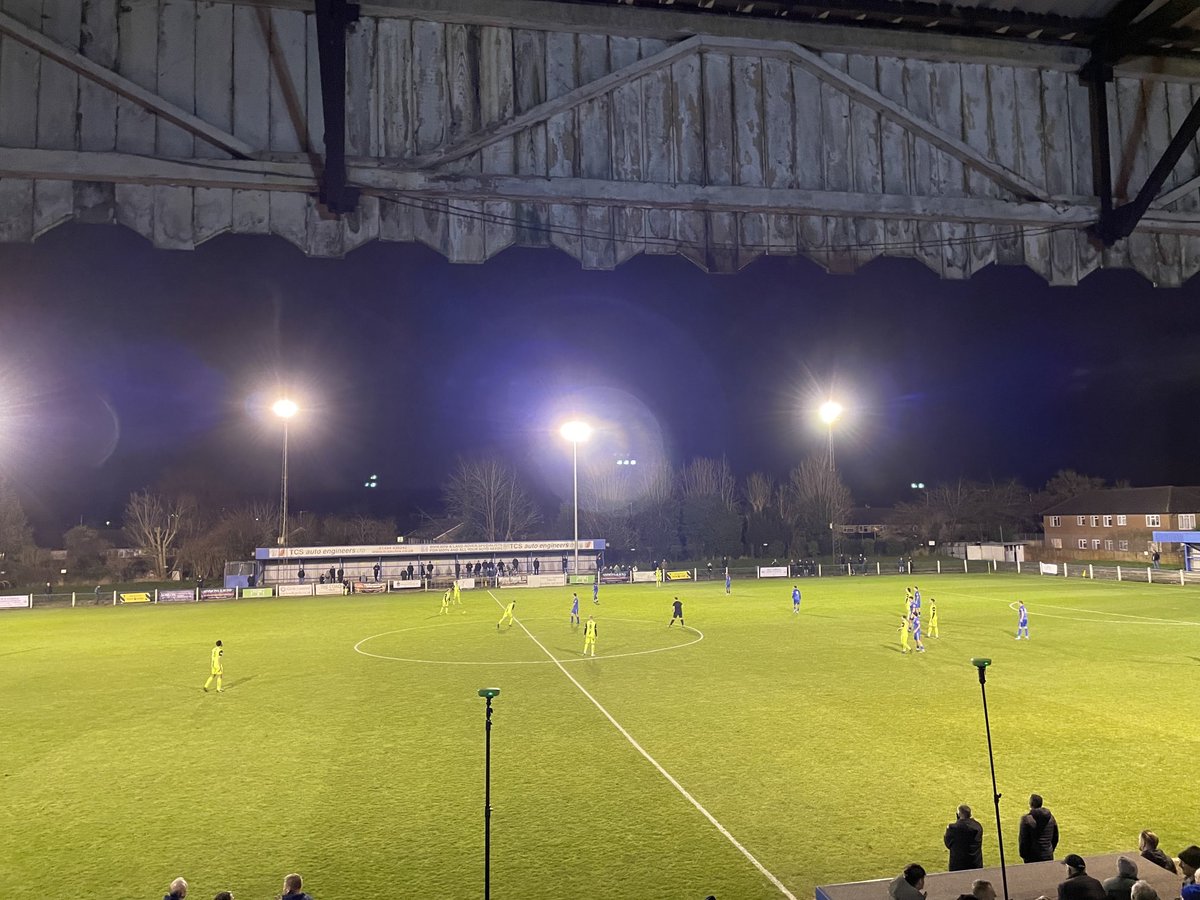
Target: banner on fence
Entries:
(1048, 568)
(510, 581)
(544, 580)
(681, 575)
(258, 592)
(294, 590)
(218, 593)
(176, 596)
(136, 597)
(412, 584)
(324, 589)
(466, 584)
(580, 579)
(369, 587)
(14, 601)
(644, 577)
(772, 571)
(615, 578)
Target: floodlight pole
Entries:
(992, 762)
(283, 503)
(575, 481)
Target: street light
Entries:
(576, 431)
(830, 411)
(285, 409)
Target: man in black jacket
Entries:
(1079, 884)
(293, 889)
(1039, 833)
(964, 840)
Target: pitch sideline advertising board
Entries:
(466, 584)
(177, 596)
(509, 581)
(412, 584)
(294, 590)
(615, 578)
(680, 575)
(369, 587)
(327, 590)
(1048, 568)
(135, 597)
(772, 571)
(644, 577)
(218, 593)
(14, 601)
(258, 592)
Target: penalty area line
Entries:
(654, 762)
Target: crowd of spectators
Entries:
(293, 889)
(1038, 839)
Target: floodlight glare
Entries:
(830, 411)
(576, 431)
(284, 408)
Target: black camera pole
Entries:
(982, 664)
(488, 694)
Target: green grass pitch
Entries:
(816, 745)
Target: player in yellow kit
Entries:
(508, 614)
(445, 610)
(933, 629)
(217, 669)
(457, 594)
(904, 634)
(589, 635)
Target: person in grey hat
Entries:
(1079, 884)
(1119, 886)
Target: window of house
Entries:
(1095, 521)
(1081, 520)
(1108, 545)
(1056, 543)
(1082, 544)
(1187, 521)
(1055, 521)
(1122, 545)
(1152, 521)
(1121, 520)
(1095, 543)
(1108, 521)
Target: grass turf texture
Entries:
(829, 755)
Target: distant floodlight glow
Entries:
(830, 411)
(576, 431)
(284, 408)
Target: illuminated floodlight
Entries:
(576, 431)
(917, 485)
(830, 411)
(284, 408)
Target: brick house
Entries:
(1119, 523)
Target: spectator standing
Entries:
(1148, 844)
(537, 566)
(909, 884)
(1079, 884)
(1156, 558)
(292, 888)
(964, 840)
(178, 890)
(1039, 833)
(1119, 886)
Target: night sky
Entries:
(123, 367)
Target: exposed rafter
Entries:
(333, 18)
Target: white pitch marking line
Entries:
(665, 774)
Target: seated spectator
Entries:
(292, 888)
(980, 890)
(178, 890)
(909, 884)
(1079, 884)
(1143, 890)
(1148, 844)
(1189, 862)
(1119, 886)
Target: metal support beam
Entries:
(1120, 222)
(333, 18)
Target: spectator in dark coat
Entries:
(178, 890)
(1039, 833)
(1189, 863)
(1119, 886)
(980, 890)
(1148, 844)
(1079, 884)
(964, 840)
(909, 884)
(292, 889)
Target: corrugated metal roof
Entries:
(1130, 501)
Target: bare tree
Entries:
(705, 477)
(759, 489)
(821, 500)
(488, 497)
(153, 523)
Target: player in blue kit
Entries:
(575, 609)
(1022, 620)
(916, 632)
(728, 582)
(795, 599)
(596, 590)
(916, 600)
